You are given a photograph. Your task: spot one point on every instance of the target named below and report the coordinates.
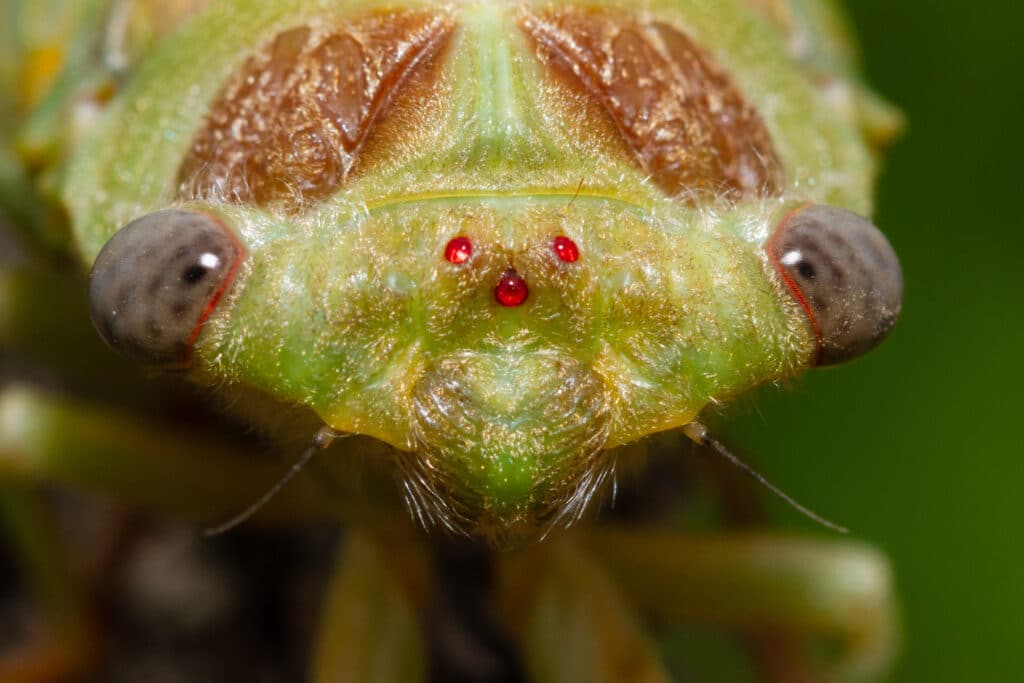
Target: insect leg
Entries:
(572, 620)
(153, 465)
(369, 629)
(826, 589)
(67, 648)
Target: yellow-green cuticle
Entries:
(508, 257)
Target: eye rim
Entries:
(236, 264)
(852, 295)
(791, 285)
(109, 265)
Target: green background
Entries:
(917, 446)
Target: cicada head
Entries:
(504, 239)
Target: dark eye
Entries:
(157, 280)
(844, 273)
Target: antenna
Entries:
(699, 434)
(579, 188)
(321, 440)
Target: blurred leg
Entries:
(572, 621)
(827, 589)
(141, 462)
(369, 630)
(66, 648)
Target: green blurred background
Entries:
(917, 447)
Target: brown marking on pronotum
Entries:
(288, 127)
(685, 121)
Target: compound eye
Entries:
(844, 274)
(157, 280)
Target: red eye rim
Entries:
(458, 250)
(565, 249)
(238, 257)
(775, 259)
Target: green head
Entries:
(502, 240)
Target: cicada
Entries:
(478, 261)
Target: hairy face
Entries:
(502, 239)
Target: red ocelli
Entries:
(512, 289)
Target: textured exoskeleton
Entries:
(496, 243)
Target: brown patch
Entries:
(685, 121)
(290, 124)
